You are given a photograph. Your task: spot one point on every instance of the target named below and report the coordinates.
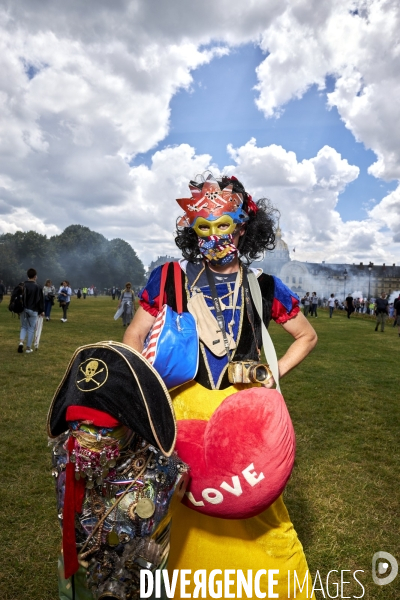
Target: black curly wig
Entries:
(259, 236)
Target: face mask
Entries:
(218, 249)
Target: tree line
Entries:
(81, 256)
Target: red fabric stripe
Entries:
(80, 487)
(71, 564)
(280, 314)
(97, 417)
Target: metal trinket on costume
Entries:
(131, 489)
(94, 454)
(218, 249)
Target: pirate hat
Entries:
(114, 378)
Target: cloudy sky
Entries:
(109, 107)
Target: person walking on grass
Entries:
(64, 298)
(306, 302)
(221, 230)
(314, 305)
(33, 306)
(331, 304)
(127, 302)
(349, 305)
(49, 293)
(396, 306)
(381, 307)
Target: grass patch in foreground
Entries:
(343, 496)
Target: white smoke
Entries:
(393, 296)
(357, 294)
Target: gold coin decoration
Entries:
(145, 508)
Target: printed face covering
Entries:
(218, 249)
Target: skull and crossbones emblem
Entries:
(95, 373)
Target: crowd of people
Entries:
(33, 303)
(38, 302)
(379, 307)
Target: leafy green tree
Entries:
(80, 255)
(10, 271)
(78, 248)
(28, 249)
(126, 264)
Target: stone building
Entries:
(368, 280)
(161, 260)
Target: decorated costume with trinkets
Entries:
(112, 431)
(237, 439)
(199, 541)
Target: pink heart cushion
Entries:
(241, 459)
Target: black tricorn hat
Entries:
(114, 378)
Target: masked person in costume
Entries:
(233, 428)
(112, 432)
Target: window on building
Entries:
(300, 280)
(293, 279)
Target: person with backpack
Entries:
(64, 298)
(33, 305)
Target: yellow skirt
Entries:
(267, 541)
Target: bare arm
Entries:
(305, 339)
(137, 331)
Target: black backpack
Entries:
(17, 300)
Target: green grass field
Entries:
(344, 400)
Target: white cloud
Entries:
(86, 88)
(387, 213)
(357, 43)
(306, 194)
(22, 219)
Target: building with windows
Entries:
(362, 280)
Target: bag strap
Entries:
(269, 348)
(164, 272)
(250, 314)
(178, 286)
